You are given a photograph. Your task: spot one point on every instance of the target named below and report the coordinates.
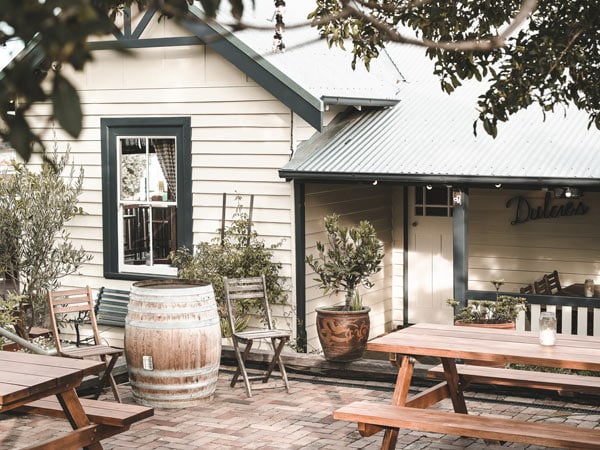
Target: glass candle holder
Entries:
(588, 288)
(547, 328)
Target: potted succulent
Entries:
(347, 261)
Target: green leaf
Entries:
(67, 108)
(20, 136)
(210, 7)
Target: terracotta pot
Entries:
(499, 326)
(343, 334)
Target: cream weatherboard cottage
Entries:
(211, 113)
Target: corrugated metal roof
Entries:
(311, 63)
(429, 136)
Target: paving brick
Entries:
(275, 420)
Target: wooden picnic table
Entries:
(26, 380)
(450, 343)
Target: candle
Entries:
(588, 288)
(547, 337)
(547, 328)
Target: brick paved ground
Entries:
(274, 420)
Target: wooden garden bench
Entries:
(111, 307)
(373, 417)
(559, 382)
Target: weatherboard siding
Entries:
(523, 253)
(353, 203)
(241, 136)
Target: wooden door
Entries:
(430, 255)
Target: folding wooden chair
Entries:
(553, 281)
(68, 304)
(527, 289)
(237, 289)
(541, 286)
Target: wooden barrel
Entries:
(172, 342)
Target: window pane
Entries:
(419, 195)
(437, 212)
(136, 242)
(437, 196)
(163, 170)
(134, 164)
(419, 211)
(164, 233)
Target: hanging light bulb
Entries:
(278, 45)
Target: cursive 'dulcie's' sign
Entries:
(524, 211)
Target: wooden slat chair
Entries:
(239, 289)
(66, 304)
(541, 286)
(527, 289)
(553, 281)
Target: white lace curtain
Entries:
(165, 151)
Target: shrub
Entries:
(35, 249)
(239, 254)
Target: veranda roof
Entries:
(428, 138)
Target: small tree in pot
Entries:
(351, 256)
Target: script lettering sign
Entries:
(524, 211)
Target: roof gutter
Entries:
(451, 180)
(355, 101)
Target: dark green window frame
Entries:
(111, 129)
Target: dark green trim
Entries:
(127, 22)
(145, 43)
(535, 299)
(355, 101)
(406, 242)
(460, 247)
(146, 18)
(458, 180)
(111, 128)
(300, 245)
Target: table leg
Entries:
(75, 413)
(454, 385)
(405, 372)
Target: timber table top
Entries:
(493, 345)
(25, 377)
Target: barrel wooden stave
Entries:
(176, 324)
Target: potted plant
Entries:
(347, 261)
(500, 313)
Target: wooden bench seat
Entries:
(559, 382)
(120, 415)
(111, 307)
(368, 414)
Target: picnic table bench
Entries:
(560, 382)
(382, 416)
(491, 346)
(43, 384)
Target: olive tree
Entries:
(36, 251)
